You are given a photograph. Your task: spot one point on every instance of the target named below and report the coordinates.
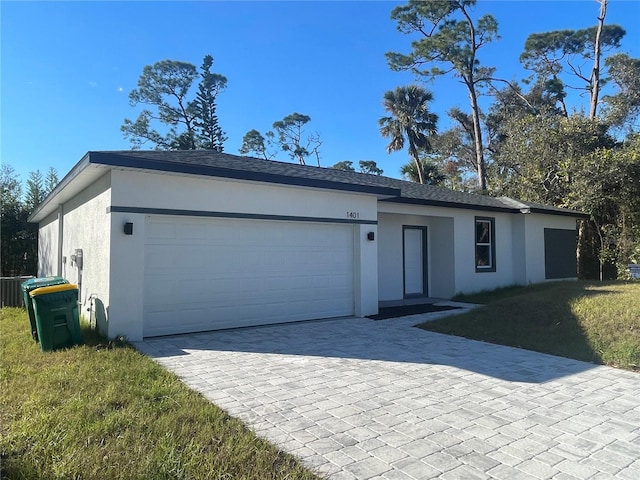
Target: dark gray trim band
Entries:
(251, 216)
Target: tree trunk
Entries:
(579, 250)
(477, 137)
(595, 73)
(470, 82)
(414, 153)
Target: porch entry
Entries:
(414, 257)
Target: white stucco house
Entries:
(172, 242)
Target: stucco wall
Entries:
(441, 257)
(519, 245)
(87, 227)
(467, 279)
(150, 190)
(518, 232)
(534, 231)
(440, 253)
(48, 246)
(126, 276)
(366, 270)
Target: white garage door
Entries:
(206, 274)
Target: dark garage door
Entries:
(560, 253)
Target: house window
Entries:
(485, 245)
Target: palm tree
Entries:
(409, 118)
(431, 174)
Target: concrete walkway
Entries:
(362, 399)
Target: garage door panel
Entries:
(206, 274)
(159, 257)
(160, 230)
(161, 289)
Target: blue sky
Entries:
(67, 68)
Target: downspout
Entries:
(60, 237)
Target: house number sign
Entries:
(353, 214)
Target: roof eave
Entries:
(485, 208)
(124, 161)
(103, 161)
(442, 203)
(567, 213)
(45, 207)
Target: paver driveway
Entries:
(360, 399)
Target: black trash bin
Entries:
(31, 285)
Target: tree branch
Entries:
(514, 90)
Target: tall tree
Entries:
(36, 190)
(254, 142)
(345, 165)
(550, 55)
(290, 136)
(13, 217)
(370, 167)
(623, 108)
(185, 124)
(511, 102)
(410, 120)
(552, 159)
(164, 86)
(606, 185)
(210, 135)
(537, 160)
(51, 180)
(287, 135)
(449, 40)
(18, 238)
(431, 174)
(11, 188)
(455, 150)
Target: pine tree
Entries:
(210, 135)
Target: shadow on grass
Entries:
(541, 318)
(92, 338)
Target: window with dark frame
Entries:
(485, 244)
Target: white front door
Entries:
(414, 258)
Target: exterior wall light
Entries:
(128, 228)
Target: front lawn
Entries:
(104, 411)
(591, 321)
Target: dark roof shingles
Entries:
(410, 192)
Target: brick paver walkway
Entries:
(359, 399)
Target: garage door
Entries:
(206, 274)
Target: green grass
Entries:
(589, 321)
(104, 411)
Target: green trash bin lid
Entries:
(34, 283)
(53, 289)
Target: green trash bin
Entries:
(56, 312)
(31, 285)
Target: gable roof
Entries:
(224, 165)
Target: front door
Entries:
(415, 261)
